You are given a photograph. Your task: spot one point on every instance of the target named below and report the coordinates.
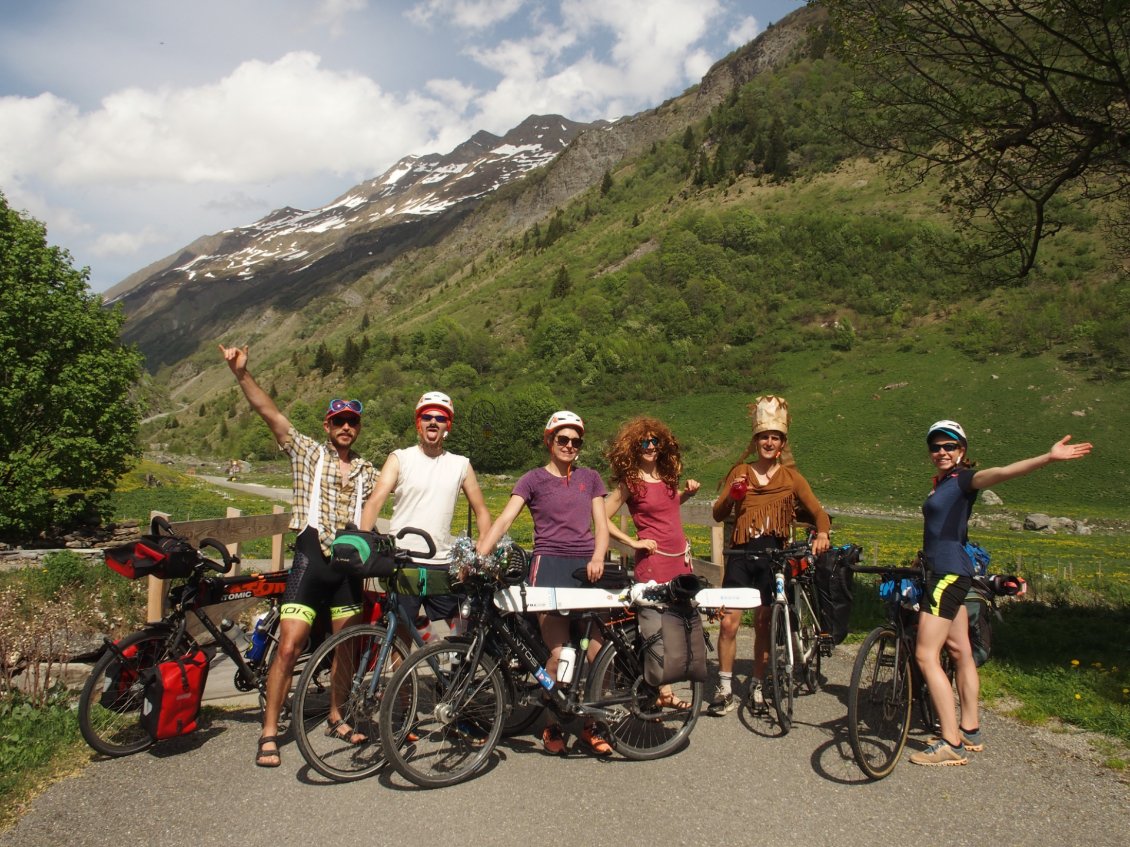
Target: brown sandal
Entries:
(263, 757)
(343, 732)
(670, 701)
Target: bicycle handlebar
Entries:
(411, 530)
(229, 559)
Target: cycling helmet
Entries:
(561, 419)
(951, 428)
(436, 400)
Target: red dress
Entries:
(655, 511)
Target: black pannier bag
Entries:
(363, 553)
(674, 644)
(834, 578)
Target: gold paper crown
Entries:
(770, 413)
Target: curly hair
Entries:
(624, 451)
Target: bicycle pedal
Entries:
(825, 644)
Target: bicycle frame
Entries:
(492, 628)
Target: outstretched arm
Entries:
(260, 400)
(489, 539)
(1061, 451)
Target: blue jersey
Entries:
(946, 525)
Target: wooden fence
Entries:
(236, 528)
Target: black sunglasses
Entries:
(565, 441)
(342, 420)
(948, 446)
(427, 416)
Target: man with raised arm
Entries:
(426, 480)
(331, 483)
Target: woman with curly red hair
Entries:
(646, 464)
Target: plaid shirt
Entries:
(338, 496)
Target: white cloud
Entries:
(473, 14)
(123, 243)
(263, 120)
(334, 12)
(746, 29)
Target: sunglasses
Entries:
(566, 441)
(345, 406)
(427, 416)
(342, 420)
(645, 443)
(948, 446)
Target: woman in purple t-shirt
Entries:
(570, 532)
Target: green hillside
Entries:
(757, 252)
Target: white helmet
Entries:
(435, 400)
(559, 420)
(951, 428)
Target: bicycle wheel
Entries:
(780, 670)
(640, 729)
(109, 707)
(879, 703)
(344, 666)
(441, 718)
(807, 646)
(523, 698)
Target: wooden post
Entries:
(233, 548)
(277, 543)
(155, 606)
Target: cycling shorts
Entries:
(312, 584)
(945, 594)
(746, 569)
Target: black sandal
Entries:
(332, 728)
(262, 757)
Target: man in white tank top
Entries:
(426, 480)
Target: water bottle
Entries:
(779, 585)
(423, 628)
(566, 664)
(236, 633)
(259, 639)
(544, 679)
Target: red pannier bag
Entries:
(173, 691)
(161, 554)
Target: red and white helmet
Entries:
(564, 418)
(436, 400)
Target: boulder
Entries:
(991, 498)
(1037, 522)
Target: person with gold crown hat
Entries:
(763, 496)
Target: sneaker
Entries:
(756, 694)
(596, 741)
(939, 753)
(971, 741)
(722, 703)
(553, 740)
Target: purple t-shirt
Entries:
(562, 510)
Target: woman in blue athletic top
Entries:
(944, 620)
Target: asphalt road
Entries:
(737, 782)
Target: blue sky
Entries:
(131, 127)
